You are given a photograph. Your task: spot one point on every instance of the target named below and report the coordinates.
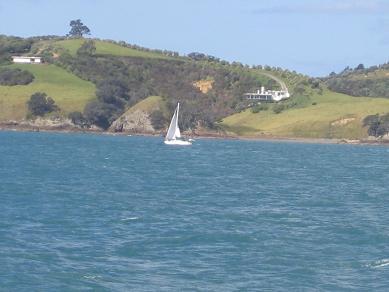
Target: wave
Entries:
(379, 263)
(130, 218)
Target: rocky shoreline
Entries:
(66, 126)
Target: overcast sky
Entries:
(313, 37)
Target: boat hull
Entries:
(177, 142)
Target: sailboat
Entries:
(173, 136)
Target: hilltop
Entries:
(122, 87)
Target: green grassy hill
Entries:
(330, 115)
(107, 48)
(149, 104)
(314, 111)
(69, 92)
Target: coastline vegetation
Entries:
(95, 81)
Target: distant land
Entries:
(103, 85)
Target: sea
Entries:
(85, 212)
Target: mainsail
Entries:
(174, 131)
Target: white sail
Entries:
(174, 131)
(173, 127)
(178, 133)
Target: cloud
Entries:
(327, 7)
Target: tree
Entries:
(78, 29)
(10, 77)
(360, 67)
(78, 119)
(41, 104)
(88, 48)
(100, 114)
(158, 120)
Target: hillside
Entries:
(122, 87)
(360, 81)
(69, 92)
(107, 48)
(137, 118)
(330, 115)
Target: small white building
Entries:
(268, 95)
(26, 60)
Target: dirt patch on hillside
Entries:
(204, 85)
(342, 122)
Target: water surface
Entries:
(118, 213)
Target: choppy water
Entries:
(88, 212)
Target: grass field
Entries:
(334, 116)
(106, 48)
(69, 92)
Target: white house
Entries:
(268, 95)
(26, 60)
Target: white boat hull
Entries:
(177, 142)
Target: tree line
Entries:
(123, 81)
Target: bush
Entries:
(41, 104)
(78, 119)
(278, 108)
(158, 120)
(87, 48)
(259, 107)
(11, 77)
(377, 125)
(14, 45)
(100, 114)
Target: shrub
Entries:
(377, 125)
(278, 108)
(100, 114)
(158, 121)
(41, 104)
(87, 48)
(11, 77)
(78, 119)
(259, 107)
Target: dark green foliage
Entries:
(314, 82)
(299, 89)
(78, 29)
(101, 114)
(360, 67)
(278, 108)
(87, 48)
(358, 81)
(78, 119)
(17, 76)
(271, 84)
(361, 87)
(259, 107)
(113, 91)
(41, 104)
(377, 125)
(203, 57)
(158, 120)
(14, 45)
(124, 81)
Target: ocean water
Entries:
(81, 212)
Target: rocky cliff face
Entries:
(134, 122)
(45, 124)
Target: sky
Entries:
(313, 37)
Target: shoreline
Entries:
(201, 135)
